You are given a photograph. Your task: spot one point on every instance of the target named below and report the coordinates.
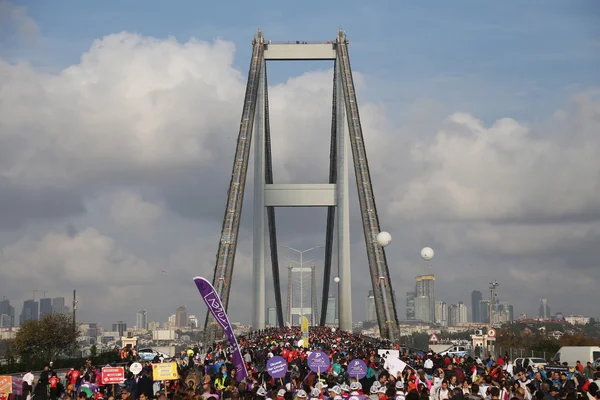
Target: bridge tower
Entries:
(334, 195)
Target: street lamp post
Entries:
(301, 252)
(493, 286)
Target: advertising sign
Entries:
(17, 385)
(135, 368)
(304, 331)
(215, 306)
(357, 368)
(5, 385)
(318, 362)
(165, 372)
(277, 367)
(113, 375)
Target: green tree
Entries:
(93, 351)
(46, 338)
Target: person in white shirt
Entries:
(428, 366)
(28, 378)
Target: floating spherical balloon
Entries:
(427, 253)
(336, 279)
(384, 238)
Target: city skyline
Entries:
(118, 138)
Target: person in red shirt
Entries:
(73, 379)
(54, 383)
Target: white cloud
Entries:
(140, 114)
(128, 209)
(506, 171)
(119, 109)
(84, 258)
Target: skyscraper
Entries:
(45, 306)
(371, 313)
(476, 297)
(457, 314)
(181, 319)
(425, 287)
(544, 309)
(9, 311)
(120, 327)
(484, 311)
(141, 320)
(441, 313)
(422, 309)
(507, 308)
(410, 306)
(30, 311)
(58, 305)
(5, 321)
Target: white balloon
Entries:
(384, 238)
(427, 253)
(336, 279)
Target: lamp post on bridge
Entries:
(301, 252)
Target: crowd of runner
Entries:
(422, 376)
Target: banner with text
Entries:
(165, 371)
(304, 331)
(213, 302)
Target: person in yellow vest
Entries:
(190, 355)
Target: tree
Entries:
(46, 338)
(93, 351)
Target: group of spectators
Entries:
(423, 376)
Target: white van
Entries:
(572, 354)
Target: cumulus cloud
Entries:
(133, 114)
(508, 171)
(139, 114)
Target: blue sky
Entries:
(421, 60)
(495, 59)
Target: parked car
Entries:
(150, 355)
(459, 351)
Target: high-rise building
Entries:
(5, 321)
(332, 310)
(193, 322)
(463, 314)
(45, 306)
(544, 309)
(410, 306)
(457, 314)
(441, 313)
(120, 327)
(484, 311)
(9, 311)
(425, 287)
(423, 309)
(30, 311)
(141, 320)
(371, 313)
(181, 319)
(506, 307)
(476, 297)
(271, 316)
(58, 305)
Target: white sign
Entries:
(135, 368)
(433, 338)
(492, 333)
